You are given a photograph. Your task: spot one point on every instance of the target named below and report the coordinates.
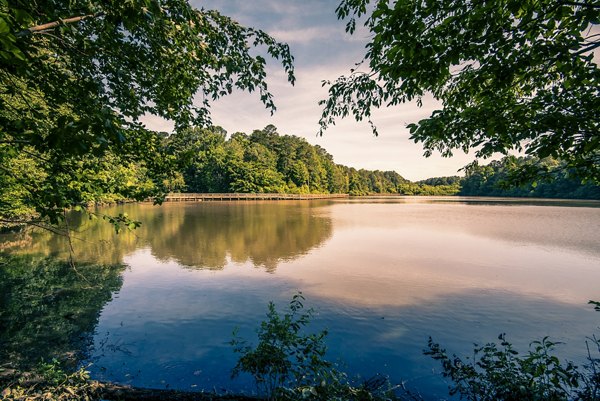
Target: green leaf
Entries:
(4, 26)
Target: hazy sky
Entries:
(322, 50)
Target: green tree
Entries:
(265, 161)
(509, 74)
(495, 179)
(435, 181)
(251, 166)
(337, 180)
(356, 183)
(201, 154)
(77, 76)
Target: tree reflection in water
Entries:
(199, 235)
(49, 309)
(261, 233)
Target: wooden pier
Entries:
(192, 197)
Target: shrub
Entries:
(498, 372)
(284, 357)
(288, 364)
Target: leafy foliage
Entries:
(429, 190)
(52, 384)
(76, 78)
(284, 357)
(498, 372)
(288, 364)
(265, 161)
(509, 74)
(436, 181)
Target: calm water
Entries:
(383, 276)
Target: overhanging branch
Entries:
(588, 48)
(54, 24)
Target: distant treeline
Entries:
(210, 161)
(265, 161)
(553, 179)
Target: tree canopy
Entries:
(554, 180)
(76, 77)
(266, 162)
(510, 74)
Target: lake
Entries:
(382, 275)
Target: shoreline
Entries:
(208, 197)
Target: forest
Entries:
(266, 161)
(206, 160)
(504, 178)
(78, 78)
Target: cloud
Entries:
(306, 35)
(157, 123)
(351, 143)
(268, 14)
(323, 51)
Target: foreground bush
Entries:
(289, 364)
(499, 372)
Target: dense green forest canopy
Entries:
(265, 161)
(450, 180)
(509, 74)
(208, 160)
(77, 76)
(553, 179)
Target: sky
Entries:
(322, 51)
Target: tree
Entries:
(201, 154)
(494, 179)
(510, 74)
(76, 78)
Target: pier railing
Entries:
(196, 197)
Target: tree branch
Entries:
(13, 141)
(50, 25)
(580, 4)
(587, 49)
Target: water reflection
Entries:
(153, 336)
(197, 235)
(263, 234)
(383, 275)
(517, 222)
(48, 309)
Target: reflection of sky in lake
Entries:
(387, 277)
